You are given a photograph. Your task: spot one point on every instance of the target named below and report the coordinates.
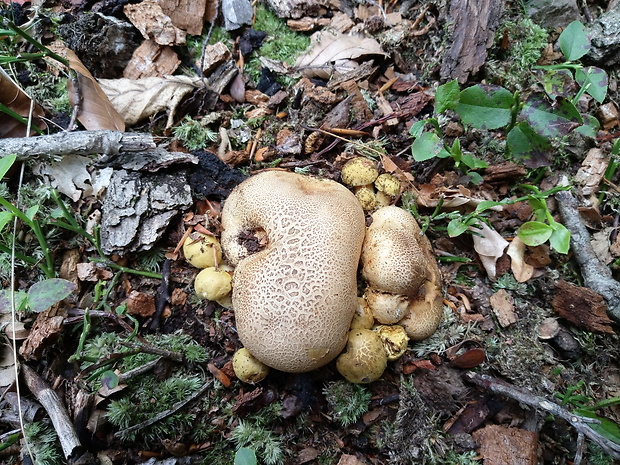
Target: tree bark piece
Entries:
(55, 409)
(474, 23)
(595, 274)
(582, 307)
(76, 143)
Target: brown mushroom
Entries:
(294, 299)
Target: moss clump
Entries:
(347, 401)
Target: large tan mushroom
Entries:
(397, 260)
(295, 298)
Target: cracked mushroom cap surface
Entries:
(295, 298)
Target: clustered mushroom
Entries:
(295, 299)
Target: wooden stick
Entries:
(76, 143)
(55, 409)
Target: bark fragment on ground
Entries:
(474, 24)
(582, 307)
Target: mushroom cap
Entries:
(294, 299)
(212, 284)
(366, 198)
(394, 339)
(424, 313)
(363, 318)
(386, 308)
(201, 250)
(365, 359)
(396, 258)
(359, 171)
(388, 184)
(248, 368)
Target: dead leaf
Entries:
(490, 246)
(142, 98)
(332, 52)
(521, 270)
(149, 18)
(592, 170)
(96, 111)
(503, 306)
(346, 459)
(69, 175)
(15, 99)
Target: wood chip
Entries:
(500, 445)
(45, 332)
(582, 307)
(592, 170)
(151, 59)
(503, 306)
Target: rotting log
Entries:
(473, 31)
(76, 143)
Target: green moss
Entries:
(43, 443)
(193, 134)
(347, 401)
(281, 44)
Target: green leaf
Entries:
(32, 211)
(475, 178)
(473, 162)
(5, 300)
(615, 149)
(590, 126)
(534, 233)
(245, 456)
(485, 106)
(486, 204)
(606, 428)
(560, 238)
(109, 379)
(428, 146)
(529, 147)
(551, 121)
(447, 96)
(557, 82)
(595, 81)
(416, 128)
(5, 217)
(455, 150)
(456, 227)
(6, 163)
(44, 294)
(574, 42)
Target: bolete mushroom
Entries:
(202, 251)
(295, 298)
(212, 284)
(248, 368)
(397, 259)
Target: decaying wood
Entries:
(474, 23)
(581, 424)
(55, 409)
(76, 143)
(582, 307)
(595, 274)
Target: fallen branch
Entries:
(581, 424)
(56, 410)
(76, 143)
(595, 274)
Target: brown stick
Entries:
(55, 409)
(595, 274)
(581, 424)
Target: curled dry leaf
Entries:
(521, 270)
(142, 98)
(15, 99)
(96, 111)
(332, 52)
(490, 246)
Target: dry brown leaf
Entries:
(332, 52)
(96, 111)
(12, 97)
(521, 270)
(503, 306)
(490, 246)
(142, 98)
(592, 170)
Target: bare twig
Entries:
(56, 411)
(580, 423)
(171, 411)
(77, 143)
(595, 274)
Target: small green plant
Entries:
(43, 443)
(193, 134)
(245, 456)
(347, 401)
(531, 126)
(259, 438)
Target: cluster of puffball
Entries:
(295, 301)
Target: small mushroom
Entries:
(363, 318)
(394, 339)
(295, 298)
(359, 171)
(386, 308)
(366, 198)
(365, 358)
(388, 184)
(202, 251)
(397, 259)
(213, 284)
(248, 368)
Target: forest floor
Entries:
(499, 135)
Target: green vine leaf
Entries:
(6, 163)
(447, 96)
(428, 146)
(245, 456)
(526, 145)
(534, 233)
(574, 42)
(485, 106)
(44, 294)
(551, 121)
(560, 238)
(595, 80)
